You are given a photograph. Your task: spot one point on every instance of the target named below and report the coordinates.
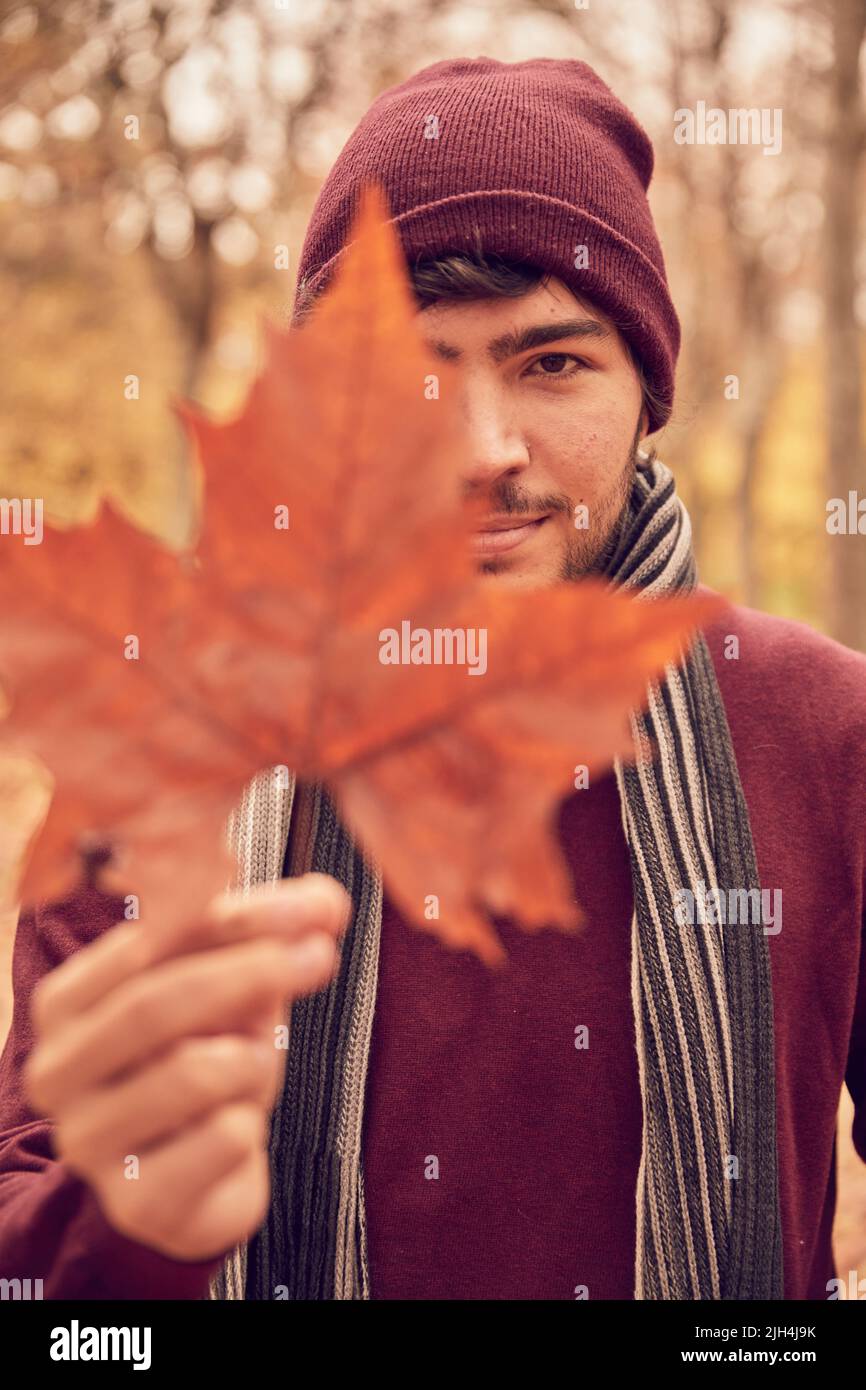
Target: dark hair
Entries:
(480, 275)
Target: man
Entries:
(646, 1110)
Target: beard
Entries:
(589, 551)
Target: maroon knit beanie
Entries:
(530, 161)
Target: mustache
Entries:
(504, 497)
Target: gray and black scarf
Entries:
(708, 1222)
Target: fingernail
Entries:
(318, 898)
(313, 953)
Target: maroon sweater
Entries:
(537, 1142)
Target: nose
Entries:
(497, 448)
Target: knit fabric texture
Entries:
(707, 1200)
(537, 162)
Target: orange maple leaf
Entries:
(154, 684)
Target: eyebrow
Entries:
(536, 335)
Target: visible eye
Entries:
(555, 364)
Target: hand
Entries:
(161, 1049)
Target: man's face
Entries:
(553, 405)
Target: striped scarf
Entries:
(708, 1222)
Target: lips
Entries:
(504, 534)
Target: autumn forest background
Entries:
(159, 160)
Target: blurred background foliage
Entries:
(159, 160)
(157, 254)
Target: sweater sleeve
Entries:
(51, 1225)
(855, 1073)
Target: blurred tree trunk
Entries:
(846, 456)
(189, 289)
(763, 379)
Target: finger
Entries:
(171, 1195)
(215, 992)
(271, 1028)
(288, 908)
(228, 1210)
(87, 976)
(274, 1031)
(183, 1085)
(294, 909)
